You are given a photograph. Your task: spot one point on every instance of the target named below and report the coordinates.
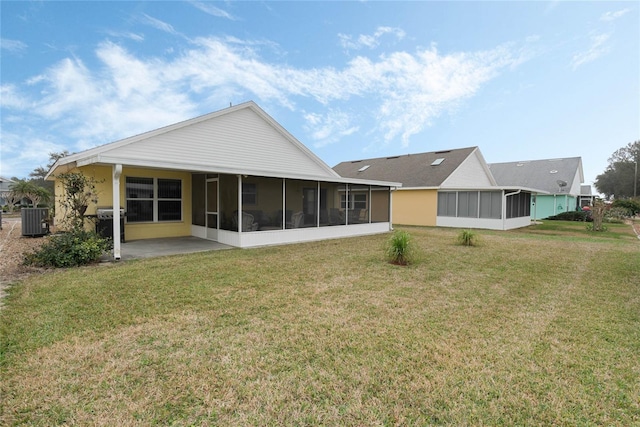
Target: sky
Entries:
(350, 80)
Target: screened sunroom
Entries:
(501, 209)
(251, 210)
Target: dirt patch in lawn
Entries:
(13, 247)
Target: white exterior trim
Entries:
(483, 223)
(298, 235)
(117, 172)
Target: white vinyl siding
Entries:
(243, 141)
(470, 174)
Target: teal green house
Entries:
(561, 178)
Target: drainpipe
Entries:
(504, 208)
(117, 171)
(391, 191)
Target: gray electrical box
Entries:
(35, 222)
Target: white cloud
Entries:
(10, 99)
(128, 94)
(370, 41)
(328, 128)
(158, 24)
(612, 16)
(24, 147)
(125, 35)
(212, 10)
(14, 46)
(597, 48)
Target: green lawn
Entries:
(539, 326)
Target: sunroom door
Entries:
(212, 209)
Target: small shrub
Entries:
(616, 215)
(69, 250)
(400, 248)
(630, 207)
(467, 238)
(590, 227)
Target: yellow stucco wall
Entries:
(415, 207)
(133, 231)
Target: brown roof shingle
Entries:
(412, 170)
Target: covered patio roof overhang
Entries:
(238, 237)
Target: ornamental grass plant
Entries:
(467, 237)
(400, 249)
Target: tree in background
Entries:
(618, 179)
(598, 211)
(38, 174)
(27, 189)
(10, 198)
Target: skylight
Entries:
(364, 168)
(437, 161)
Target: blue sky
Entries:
(351, 80)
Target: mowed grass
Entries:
(531, 327)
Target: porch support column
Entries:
(346, 203)
(117, 171)
(240, 205)
(284, 203)
(318, 206)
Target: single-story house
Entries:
(448, 188)
(235, 176)
(5, 186)
(586, 196)
(561, 180)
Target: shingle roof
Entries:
(548, 174)
(412, 170)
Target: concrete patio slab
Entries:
(150, 248)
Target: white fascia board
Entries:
(146, 163)
(530, 190)
(58, 169)
(361, 181)
(419, 188)
(88, 156)
(496, 188)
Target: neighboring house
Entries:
(449, 188)
(586, 196)
(235, 176)
(560, 178)
(5, 185)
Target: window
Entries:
(249, 194)
(491, 204)
(519, 205)
(468, 204)
(446, 203)
(356, 201)
(153, 199)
